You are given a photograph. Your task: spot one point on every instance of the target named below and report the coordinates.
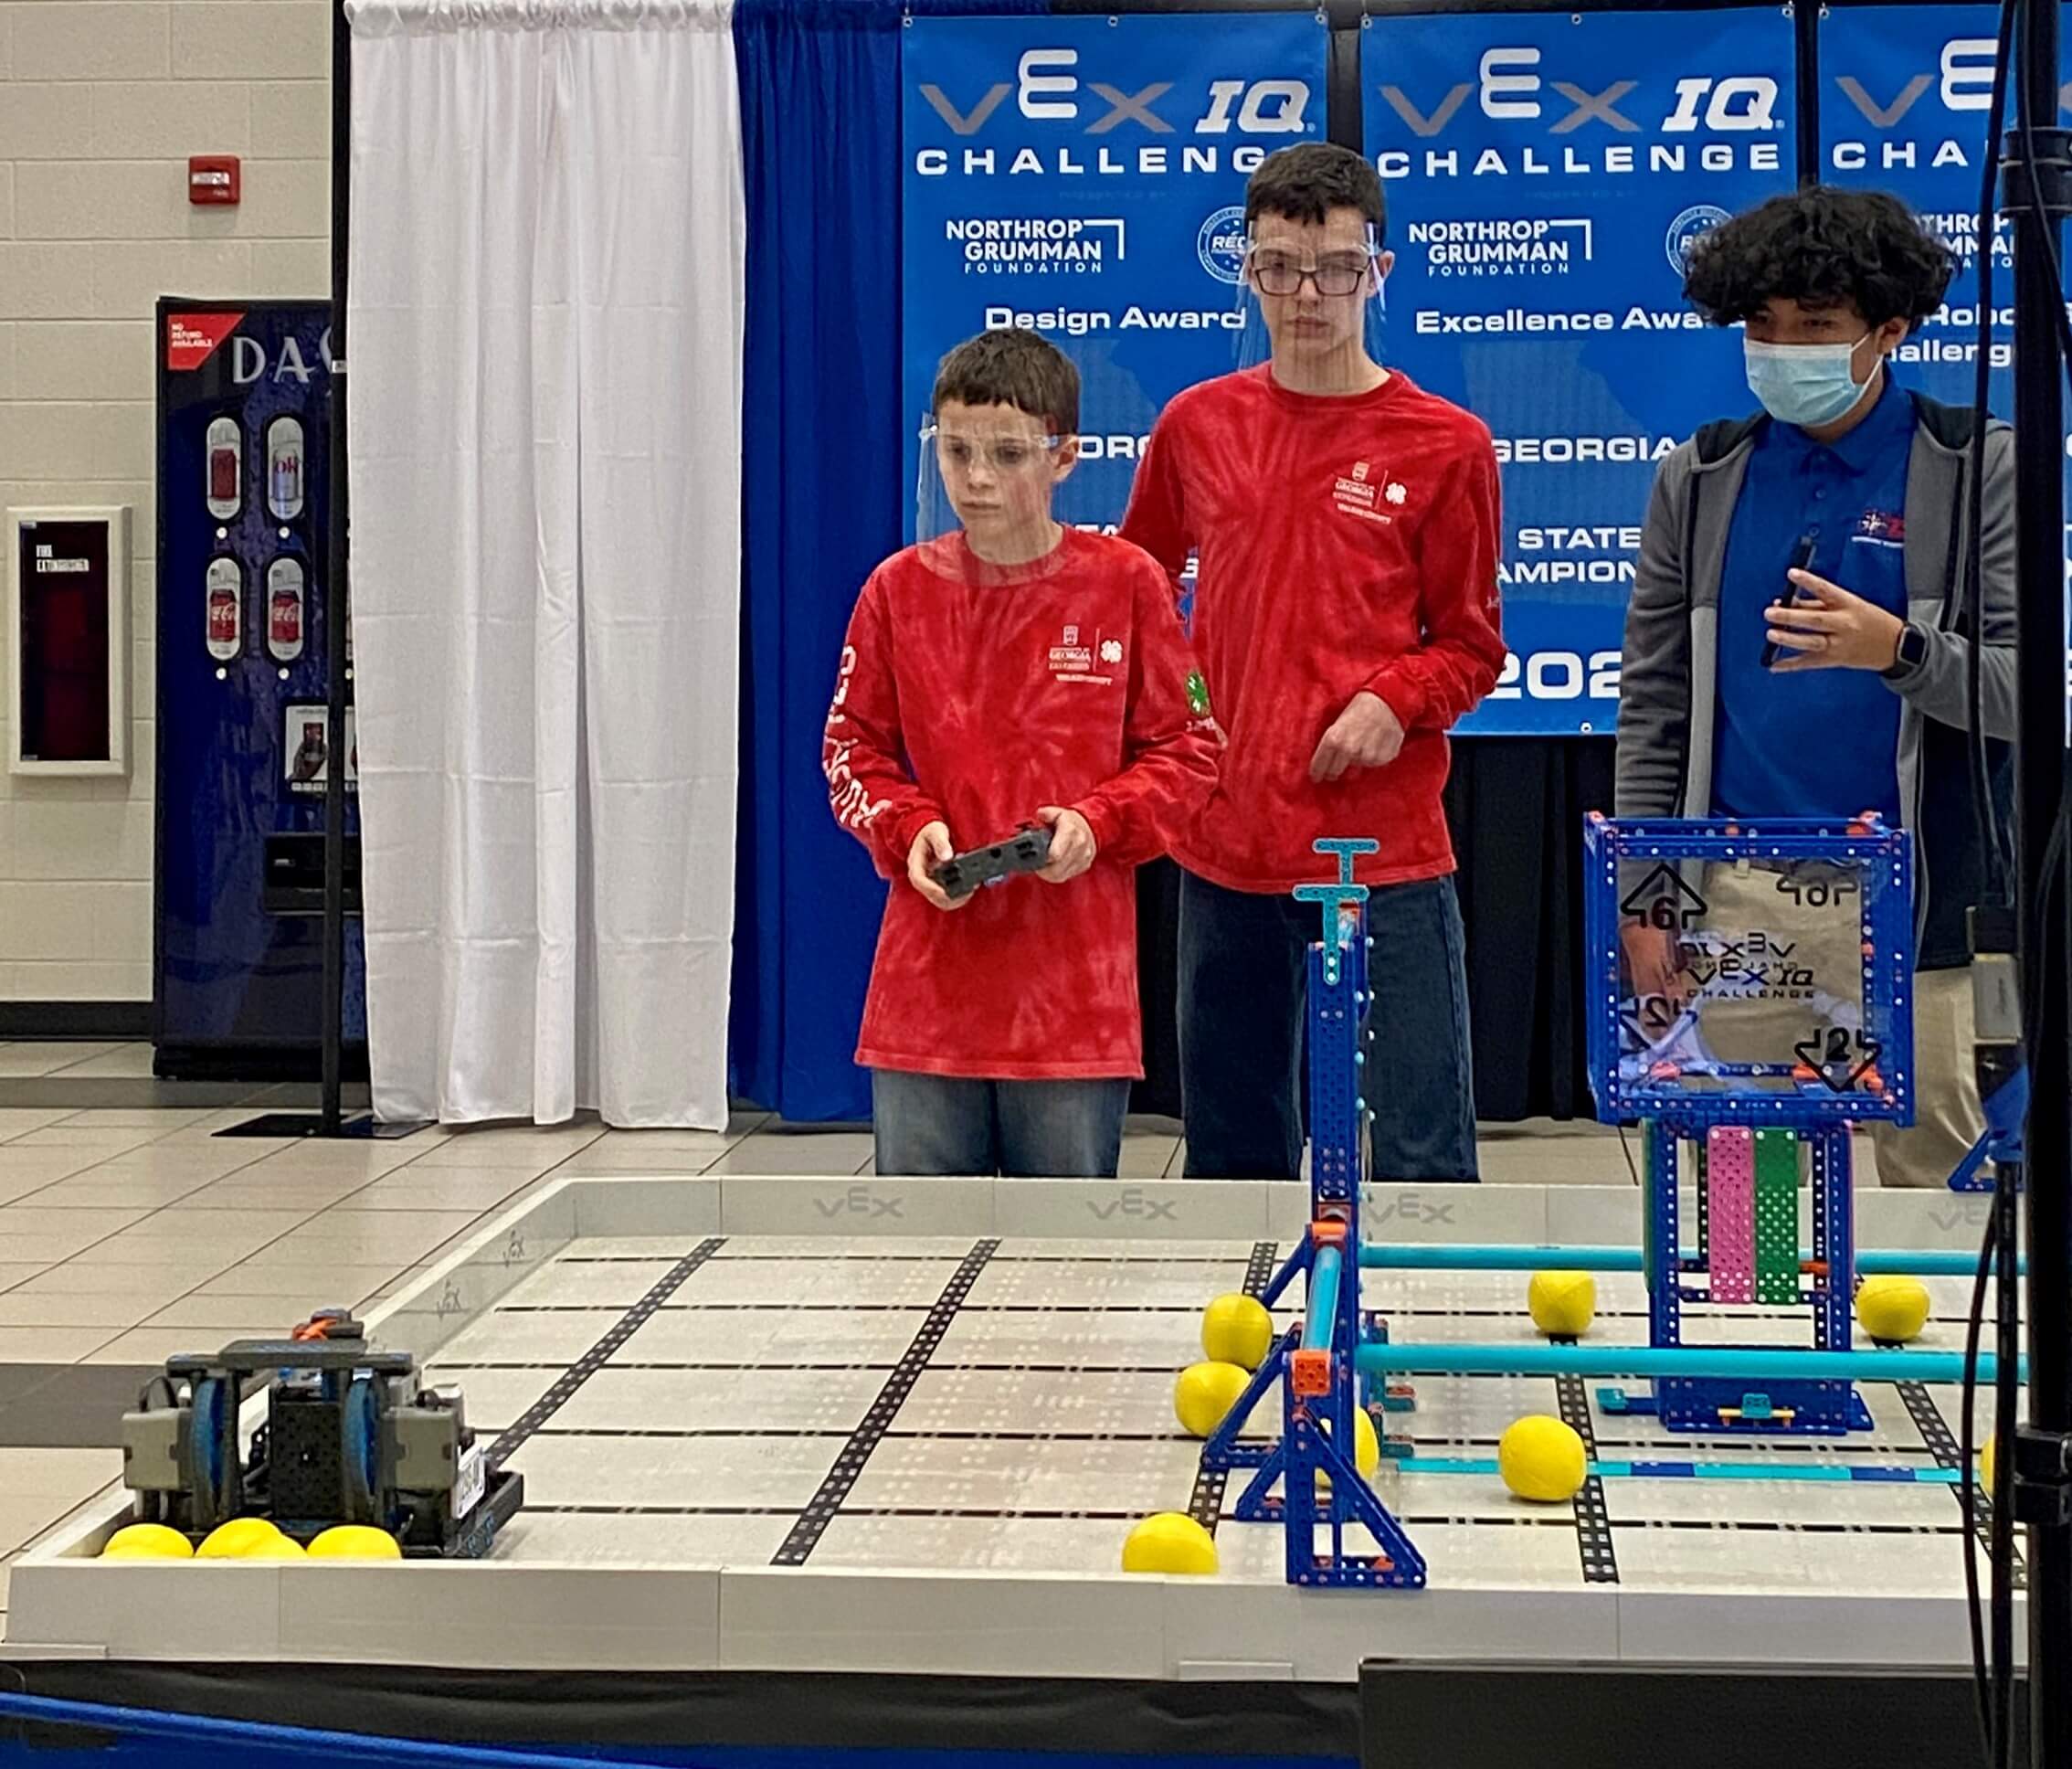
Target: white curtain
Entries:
(543, 365)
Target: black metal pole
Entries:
(2042, 907)
(1343, 99)
(1805, 32)
(2008, 1343)
(335, 603)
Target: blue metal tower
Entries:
(1747, 1120)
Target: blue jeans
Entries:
(936, 1124)
(1244, 983)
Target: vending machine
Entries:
(244, 391)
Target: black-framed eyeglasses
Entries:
(1282, 273)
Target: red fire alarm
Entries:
(211, 179)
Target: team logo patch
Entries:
(1361, 491)
(1880, 528)
(1074, 658)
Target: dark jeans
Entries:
(1244, 984)
(935, 1124)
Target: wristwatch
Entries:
(1912, 651)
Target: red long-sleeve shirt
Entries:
(1342, 543)
(977, 696)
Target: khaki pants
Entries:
(1778, 971)
(1948, 1117)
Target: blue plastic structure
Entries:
(1637, 1075)
(1648, 1059)
(1338, 1359)
(1313, 1364)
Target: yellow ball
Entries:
(355, 1542)
(1986, 1466)
(1367, 1443)
(1237, 1330)
(1563, 1303)
(147, 1541)
(1204, 1393)
(237, 1539)
(1542, 1459)
(1169, 1542)
(1367, 1447)
(276, 1546)
(1893, 1308)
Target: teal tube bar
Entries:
(1871, 1262)
(1323, 1299)
(1721, 1361)
(1828, 1473)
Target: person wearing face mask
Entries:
(1791, 646)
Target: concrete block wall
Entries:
(102, 102)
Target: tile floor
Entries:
(129, 1230)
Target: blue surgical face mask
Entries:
(1808, 384)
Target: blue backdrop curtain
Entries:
(822, 496)
(823, 489)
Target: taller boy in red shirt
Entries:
(1005, 671)
(1345, 609)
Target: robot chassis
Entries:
(1748, 1138)
(350, 1437)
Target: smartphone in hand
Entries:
(1803, 552)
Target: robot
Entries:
(351, 1436)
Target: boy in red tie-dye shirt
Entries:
(1007, 671)
(1346, 523)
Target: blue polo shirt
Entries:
(1824, 743)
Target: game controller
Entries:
(1026, 851)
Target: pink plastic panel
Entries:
(1731, 1180)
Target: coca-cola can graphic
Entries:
(285, 593)
(284, 468)
(226, 469)
(225, 590)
